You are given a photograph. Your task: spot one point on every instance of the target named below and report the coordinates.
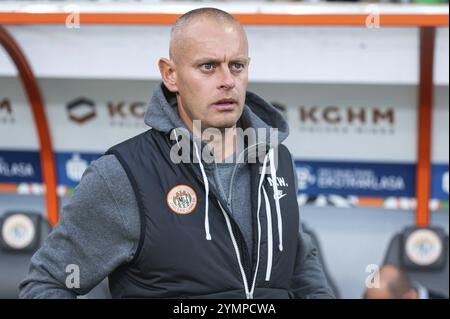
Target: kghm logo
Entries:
(336, 119)
(123, 114)
(81, 110)
(6, 112)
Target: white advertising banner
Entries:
(349, 141)
(301, 54)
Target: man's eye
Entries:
(207, 66)
(237, 66)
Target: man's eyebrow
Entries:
(241, 59)
(207, 60)
(218, 61)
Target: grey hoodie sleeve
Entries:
(309, 277)
(98, 231)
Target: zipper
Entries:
(240, 246)
(249, 262)
(248, 294)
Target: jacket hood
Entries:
(162, 115)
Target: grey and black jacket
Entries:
(242, 240)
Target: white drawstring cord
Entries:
(269, 236)
(269, 157)
(261, 180)
(176, 137)
(277, 199)
(205, 181)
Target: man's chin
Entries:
(222, 121)
(222, 124)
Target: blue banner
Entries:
(71, 166)
(356, 178)
(439, 181)
(19, 167)
(314, 177)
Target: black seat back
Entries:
(435, 278)
(14, 262)
(316, 243)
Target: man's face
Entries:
(211, 69)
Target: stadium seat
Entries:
(434, 276)
(21, 234)
(315, 240)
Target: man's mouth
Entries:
(225, 104)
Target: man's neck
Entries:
(224, 145)
(221, 140)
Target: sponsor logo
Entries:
(182, 199)
(118, 113)
(356, 178)
(342, 178)
(423, 247)
(123, 114)
(75, 167)
(305, 177)
(6, 112)
(81, 110)
(445, 182)
(16, 169)
(337, 119)
(338, 178)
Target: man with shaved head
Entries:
(203, 204)
(202, 42)
(394, 283)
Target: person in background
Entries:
(396, 284)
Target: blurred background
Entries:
(364, 86)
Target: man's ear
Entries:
(168, 74)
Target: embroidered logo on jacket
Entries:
(280, 182)
(182, 199)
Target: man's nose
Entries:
(227, 79)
